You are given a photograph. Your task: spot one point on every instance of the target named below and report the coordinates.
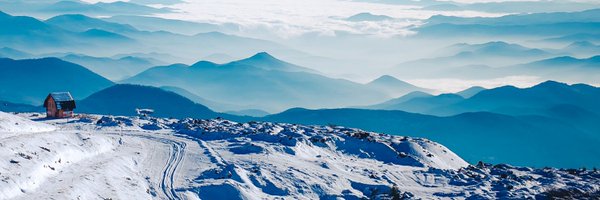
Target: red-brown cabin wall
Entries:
(51, 108)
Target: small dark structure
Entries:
(59, 105)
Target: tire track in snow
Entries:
(167, 182)
(170, 168)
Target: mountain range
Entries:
(537, 24)
(37, 37)
(33, 79)
(80, 23)
(96, 37)
(147, 23)
(114, 69)
(506, 100)
(463, 55)
(260, 81)
(104, 8)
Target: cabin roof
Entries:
(61, 96)
(62, 100)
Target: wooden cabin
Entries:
(59, 105)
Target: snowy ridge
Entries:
(46, 155)
(107, 157)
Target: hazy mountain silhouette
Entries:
(469, 92)
(470, 61)
(574, 38)
(563, 68)
(28, 28)
(393, 87)
(567, 62)
(512, 6)
(30, 81)
(6, 106)
(256, 87)
(541, 99)
(249, 112)
(124, 99)
(148, 23)
(93, 36)
(103, 35)
(419, 104)
(497, 48)
(540, 30)
(521, 19)
(81, 23)
(399, 100)
(534, 100)
(6, 52)
(582, 48)
(114, 69)
(265, 61)
(34, 36)
(368, 17)
(101, 8)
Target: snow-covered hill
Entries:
(105, 157)
(14, 124)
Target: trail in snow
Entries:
(167, 182)
(176, 155)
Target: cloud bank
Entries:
(291, 18)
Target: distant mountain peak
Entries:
(366, 16)
(387, 79)
(72, 16)
(263, 55)
(76, 17)
(551, 84)
(393, 86)
(557, 60)
(266, 61)
(503, 45)
(204, 63)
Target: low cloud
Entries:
(450, 85)
(290, 18)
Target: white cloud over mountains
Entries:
(290, 18)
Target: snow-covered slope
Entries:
(10, 123)
(107, 157)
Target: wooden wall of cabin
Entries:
(51, 108)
